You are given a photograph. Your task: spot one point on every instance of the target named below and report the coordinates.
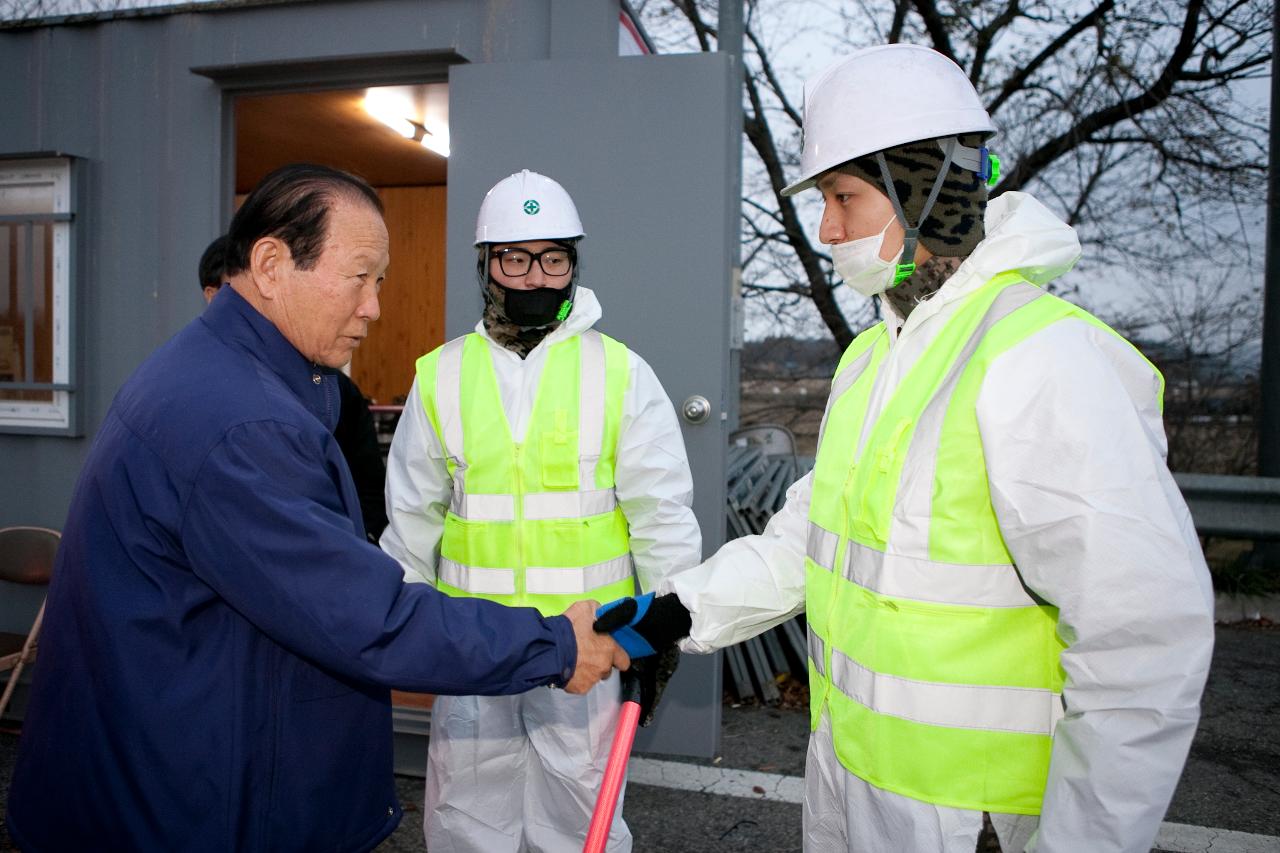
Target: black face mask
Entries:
(540, 306)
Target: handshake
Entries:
(646, 629)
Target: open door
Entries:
(356, 129)
(642, 144)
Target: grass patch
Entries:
(1242, 567)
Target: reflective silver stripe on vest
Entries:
(913, 506)
(553, 505)
(921, 579)
(449, 407)
(821, 546)
(474, 507)
(843, 382)
(475, 580)
(963, 706)
(537, 507)
(817, 653)
(545, 581)
(591, 404)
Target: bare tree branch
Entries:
(986, 36)
(700, 29)
(1019, 80)
(1156, 93)
(761, 139)
(766, 68)
(936, 27)
(900, 9)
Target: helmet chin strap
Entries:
(570, 292)
(911, 233)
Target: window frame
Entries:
(62, 417)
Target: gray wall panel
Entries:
(39, 472)
(493, 31)
(19, 61)
(649, 175)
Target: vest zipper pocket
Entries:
(885, 456)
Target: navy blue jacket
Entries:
(220, 639)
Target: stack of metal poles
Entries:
(757, 488)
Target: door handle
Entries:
(696, 409)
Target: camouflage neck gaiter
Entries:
(518, 339)
(922, 284)
(954, 226)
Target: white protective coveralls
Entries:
(508, 773)
(1071, 429)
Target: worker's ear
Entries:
(269, 262)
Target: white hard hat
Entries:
(527, 206)
(880, 97)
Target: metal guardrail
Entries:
(1233, 507)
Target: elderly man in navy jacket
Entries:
(220, 639)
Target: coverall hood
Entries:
(1022, 235)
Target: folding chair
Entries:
(26, 556)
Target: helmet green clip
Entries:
(989, 166)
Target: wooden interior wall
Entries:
(412, 298)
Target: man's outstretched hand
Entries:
(598, 654)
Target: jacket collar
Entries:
(239, 325)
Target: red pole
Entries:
(616, 770)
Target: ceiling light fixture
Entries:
(389, 109)
(399, 109)
(436, 140)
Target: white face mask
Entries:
(858, 262)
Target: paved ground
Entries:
(1232, 779)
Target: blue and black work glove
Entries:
(648, 628)
(644, 625)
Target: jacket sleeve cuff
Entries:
(566, 649)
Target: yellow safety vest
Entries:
(939, 670)
(533, 524)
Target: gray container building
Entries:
(128, 137)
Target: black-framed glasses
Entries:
(554, 262)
